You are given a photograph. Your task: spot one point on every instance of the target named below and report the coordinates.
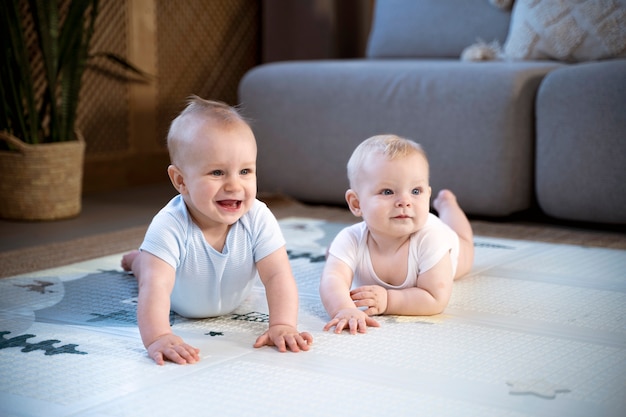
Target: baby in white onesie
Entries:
(401, 259)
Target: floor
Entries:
(101, 213)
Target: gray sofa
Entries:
(505, 136)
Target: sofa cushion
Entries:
(581, 142)
(433, 28)
(474, 121)
(567, 30)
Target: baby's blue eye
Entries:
(416, 191)
(245, 171)
(217, 173)
(387, 192)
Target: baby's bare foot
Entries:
(443, 199)
(451, 214)
(127, 260)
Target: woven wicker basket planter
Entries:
(41, 182)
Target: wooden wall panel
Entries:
(189, 47)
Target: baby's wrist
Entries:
(282, 325)
(155, 339)
(386, 306)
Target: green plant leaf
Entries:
(122, 63)
(18, 115)
(63, 40)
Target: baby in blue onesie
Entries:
(204, 249)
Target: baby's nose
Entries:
(403, 201)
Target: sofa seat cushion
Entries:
(581, 142)
(474, 120)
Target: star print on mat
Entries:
(39, 286)
(252, 316)
(538, 387)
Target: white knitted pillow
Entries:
(567, 30)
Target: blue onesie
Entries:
(208, 282)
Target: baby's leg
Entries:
(128, 259)
(451, 214)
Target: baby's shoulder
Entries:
(356, 232)
(435, 232)
(173, 216)
(258, 215)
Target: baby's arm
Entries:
(335, 294)
(431, 296)
(156, 280)
(282, 299)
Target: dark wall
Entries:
(314, 29)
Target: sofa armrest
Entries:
(581, 142)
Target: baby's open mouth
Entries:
(230, 204)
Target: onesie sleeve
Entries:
(165, 236)
(267, 236)
(345, 245)
(434, 241)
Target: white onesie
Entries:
(427, 247)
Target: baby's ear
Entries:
(176, 176)
(353, 202)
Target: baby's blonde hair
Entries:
(199, 109)
(391, 146)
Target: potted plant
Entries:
(41, 150)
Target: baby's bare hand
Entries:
(351, 319)
(373, 297)
(285, 338)
(172, 348)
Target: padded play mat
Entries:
(536, 329)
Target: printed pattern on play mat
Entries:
(535, 330)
